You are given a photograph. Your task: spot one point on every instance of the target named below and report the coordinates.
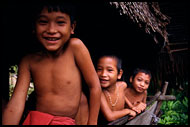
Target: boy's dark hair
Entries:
(119, 61)
(144, 70)
(55, 5)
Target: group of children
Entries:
(117, 98)
(57, 70)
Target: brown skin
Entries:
(108, 75)
(83, 112)
(56, 73)
(136, 96)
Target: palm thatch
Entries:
(147, 15)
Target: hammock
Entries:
(151, 115)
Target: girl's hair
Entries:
(55, 5)
(137, 70)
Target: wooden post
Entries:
(160, 102)
(155, 97)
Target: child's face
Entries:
(53, 29)
(140, 82)
(107, 71)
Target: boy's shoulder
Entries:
(75, 41)
(122, 84)
(76, 45)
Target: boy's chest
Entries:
(59, 69)
(135, 99)
(119, 102)
(53, 65)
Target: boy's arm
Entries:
(141, 106)
(86, 66)
(113, 115)
(128, 103)
(15, 107)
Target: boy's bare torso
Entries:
(134, 98)
(121, 100)
(55, 80)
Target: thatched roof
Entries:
(147, 15)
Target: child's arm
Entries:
(14, 109)
(141, 106)
(86, 66)
(113, 115)
(128, 103)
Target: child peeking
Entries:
(113, 96)
(136, 94)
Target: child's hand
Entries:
(132, 114)
(139, 108)
(136, 110)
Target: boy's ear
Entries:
(73, 26)
(131, 79)
(120, 74)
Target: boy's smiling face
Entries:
(107, 71)
(53, 29)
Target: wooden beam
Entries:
(119, 121)
(183, 43)
(166, 98)
(177, 50)
(153, 98)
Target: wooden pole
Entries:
(160, 102)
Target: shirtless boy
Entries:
(113, 97)
(56, 72)
(137, 94)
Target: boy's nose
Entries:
(142, 84)
(51, 29)
(103, 73)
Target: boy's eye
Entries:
(61, 22)
(43, 21)
(110, 70)
(139, 79)
(99, 69)
(147, 83)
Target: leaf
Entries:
(176, 104)
(170, 103)
(185, 102)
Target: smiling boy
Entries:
(56, 72)
(113, 96)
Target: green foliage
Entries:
(175, 112)
(13, 72)
(13, 69)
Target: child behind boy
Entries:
(137, 94)
(113, 97)
(56, 72)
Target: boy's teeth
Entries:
(52, 39)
